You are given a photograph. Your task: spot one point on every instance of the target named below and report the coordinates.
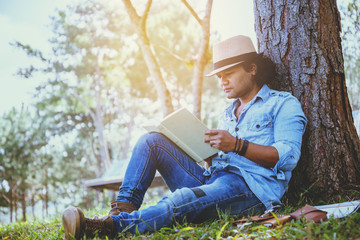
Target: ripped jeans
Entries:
(194, 197)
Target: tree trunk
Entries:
(303, 39)
(202, 56)
(33, 204)
(126, 145)
(98, 116)
(11, 198)
(46, 203)
(15, 202)
(149, 56)
(202, 60)
(155, 73)
(23, 204)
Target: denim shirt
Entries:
(271, 118)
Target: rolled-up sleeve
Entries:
(289, 127)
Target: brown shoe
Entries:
(117, 207)
(77, 225)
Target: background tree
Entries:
(95, 63)
(303, 38)
(85, 85)
(151, 56)
(139, 23)
(203, 55)
(97, 85)
(37, 166)
(22, 134)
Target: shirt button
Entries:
(257, 125)
(236, 129)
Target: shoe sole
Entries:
(73, 219)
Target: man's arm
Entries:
(266, 156)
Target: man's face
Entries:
(236, 82)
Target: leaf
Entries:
(218, 235)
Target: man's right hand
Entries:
(220, 139)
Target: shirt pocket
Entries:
(261, 131)
(258, 126)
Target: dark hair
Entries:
(266, 69)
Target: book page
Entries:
(186, 131)
(190, 131)
(151, 128)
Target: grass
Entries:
(223, 228)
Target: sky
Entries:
(28, 22)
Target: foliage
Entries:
(22, 135)
(97, 76)
(34, 164)
(96, 64)
(97, 85)
(222, 228)
(88, 91)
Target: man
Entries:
(259, 139)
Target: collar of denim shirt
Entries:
(263, 94)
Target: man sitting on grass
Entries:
(259, 138)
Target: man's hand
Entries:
(266, 156)
(220, 139)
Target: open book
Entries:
(186, 131)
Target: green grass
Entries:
(223, 228)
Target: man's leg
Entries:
(224, 191)
(154, 152)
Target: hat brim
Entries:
(222, 69)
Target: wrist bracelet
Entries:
(236, 144)
(244, 148)
(238, 147)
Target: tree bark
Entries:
(149, 55)
(303, 39)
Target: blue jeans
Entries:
(194, 197)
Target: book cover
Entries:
(186, 131)
(340, 210)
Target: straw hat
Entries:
(231, 52)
